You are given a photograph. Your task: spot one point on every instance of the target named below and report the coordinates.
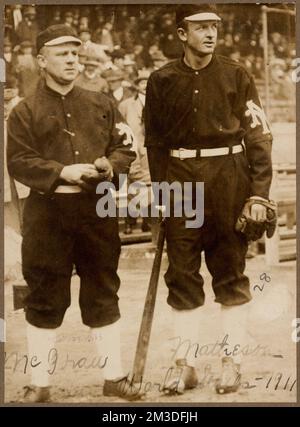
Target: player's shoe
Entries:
(230, 380)
(34, 394)
(183, 377)
(123, 388)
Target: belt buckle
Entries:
(181, 150)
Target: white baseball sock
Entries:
(108, 344)
(39, 341)
(186, 330)
(234, 322)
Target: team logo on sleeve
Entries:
(129, 138)
(257, 115)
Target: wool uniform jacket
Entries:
(217, 106)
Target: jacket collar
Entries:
(45, 89)
(209, 68)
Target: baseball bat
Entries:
(146, 323)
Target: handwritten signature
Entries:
(22, 362)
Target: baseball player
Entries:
(205, 123)
(62, 141)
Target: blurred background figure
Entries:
(158, 59)
(13, 205)
(90, 78)
(56, 19)
(130, 70)
(117, 90)
(10, 66)
(27, 69)
(87, 45)
(27, 29)
(107, 37)
(117, 57)
(68, 19)
(282, 84)
(168, 40)
(132, 109)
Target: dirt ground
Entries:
(269, 372)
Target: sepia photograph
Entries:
(150, 203)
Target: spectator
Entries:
(27, 29)
(130, 69)
(26, 69)
(169, 43)
(282, 85)
(11, 99)
(56, 19)
(107, 37)
(68, 19)
(158, 59)
(226, 47)
(85, 37)
(118, 56)
(132, 109)
(140, 56)
(10, 66)
(90, 78)
(117, 91)
(97, 33)
(278, 46)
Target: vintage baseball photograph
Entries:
(150, 203)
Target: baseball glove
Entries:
(104, 172)
(253, 229)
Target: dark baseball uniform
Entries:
(217, 106)
(46, 132)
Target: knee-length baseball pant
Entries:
(59, 232)
(226, 187)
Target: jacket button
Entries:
(196, 91)
(77, 153)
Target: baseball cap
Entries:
(56, 35)
(196, 13)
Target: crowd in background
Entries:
(118, 41)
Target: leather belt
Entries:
(183, 153)
(68, 189)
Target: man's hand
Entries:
(73, 173)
